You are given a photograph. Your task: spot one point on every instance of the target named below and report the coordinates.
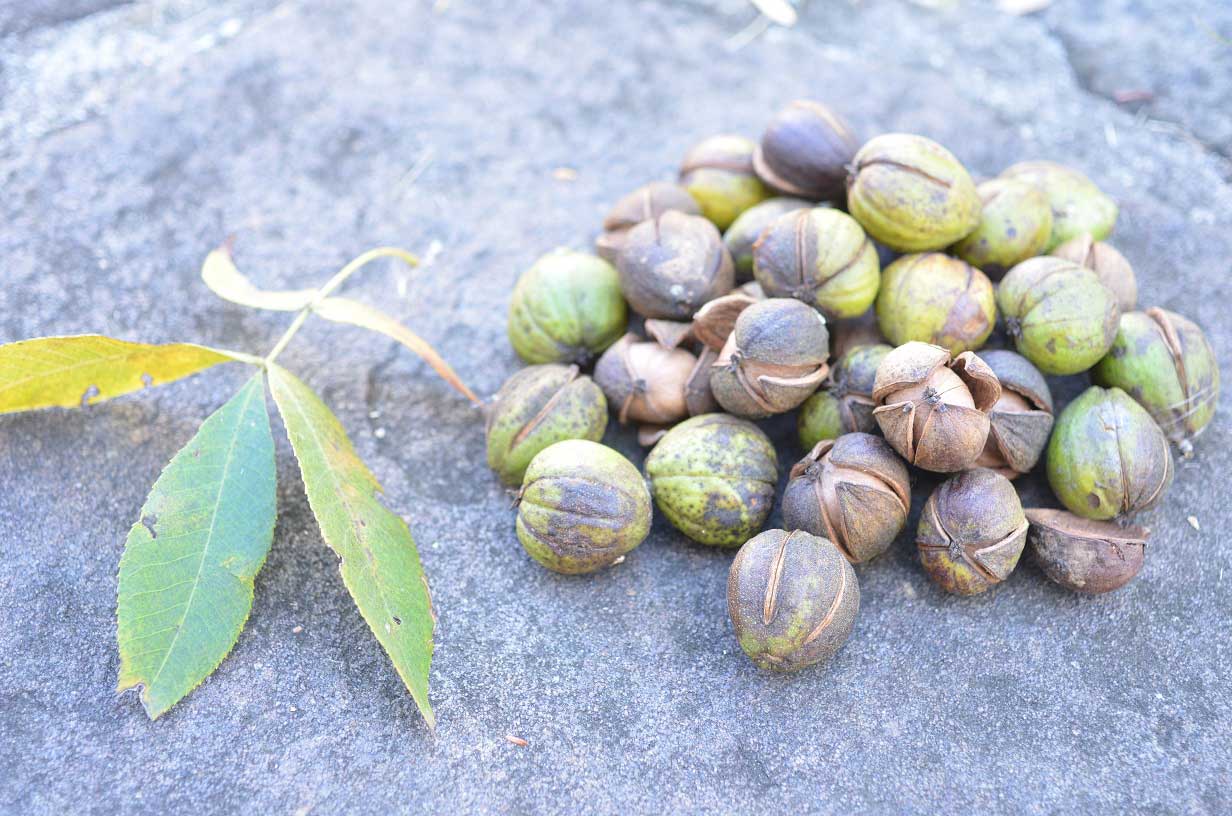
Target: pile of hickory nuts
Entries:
(759, 288)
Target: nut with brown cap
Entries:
(746, 229)
(1109, 265)
(646, 202)
(1020, 420)
(1084, 555)
(972, 532)
(670, 265)
(932, 408)
(853, 490)
(647, 383)
(805, 151)
(715, 321)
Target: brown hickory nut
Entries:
(646, 202)
(793, 599)
(933, 409)
(1084, 555)
(1020, 420)
(1109, 265)
(645, 382)
(853, 490)
(670, 265)
(714, 322)
(971, 532)
(805, 151)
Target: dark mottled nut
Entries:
(539, 406)
(773, 359)
(671, 265)
(819, 256)
(567, 308)
(932, 408)
(846, 404)
(1020, 420)
(912, 194)
(853, 490)
(793, 599)
(936, 299)
(849, 332)
(805, 151)
(715, 321)
(1107, 457)
(1015, 225)
(645, 382)
(1058, 314)
(1078, 206)
(713, 477)
(582, 507)
(646, 202)
(1165, 363)
(718, 173)
(972, 532)
(1110, 266)
(748, 227)
(1083, 555)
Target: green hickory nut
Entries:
(912, 194)
(718, 173)
(713, 477)
(1058, 314)
(1015, 225)
(537, 407)
(1078, 206)
(749, 226)
(1165, 363)
(1107, 457)
(582, 507)
(673, 264)
(846, 404)
(792, 598)
(567, 308)
(936, 299)
(819, 256)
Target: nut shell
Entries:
(645, 382)
(1078, 206)
(750, 224)
(846, 404)
(805, 151)
(1015, 224)
(1021, 420)
(1109, 265)
(936, 299)
(646, 202)
(718, 173)
(671, 265)
(1082, 555)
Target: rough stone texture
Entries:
(134, 137)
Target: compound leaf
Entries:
(379, 563)
(186, 576)
(225, 280)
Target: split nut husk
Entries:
(749, 226)
(854, 491)
(805, 151)
(971, 532)
(1109, 265)
(936, 299)
(1078, 206)
(718, 173)
(845, 405)
(715, 321)
(643, 204)
(645, 382)
(1082, 555)
(671, 265)
(792, 598)
(1021, 420)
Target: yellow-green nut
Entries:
(749, 226)
(1015, 225)
(936, 299)
(846, 404)
(792, 598)
(567, 308)
(537, 407)
(1165, 363)
(1058, 314)
(582, 507)
(819, 256)
(718, 173)
(912, 194)
(1078, 206)
(713, 477)
(1107, 457)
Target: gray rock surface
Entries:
(135, 137)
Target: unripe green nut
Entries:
(1058, 314)
(718, 173)
(713, 477)
(1107, 457)
(912, 194)
(749, 226)
(1166, 364)
(567, 308)
(1078, 206)
(819, 256)
(821, 417)
(1016, 224)
(582, 507)
(936, 299)
(792, 598)
(537, 407)
(846, 404)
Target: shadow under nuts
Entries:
(972, 532)
(1020, 420)
(854, 491)
(671, 265)
(933, 409)
(1084, 555)
(845, 405)
(773, 360)
(793, 599)
(645, 382)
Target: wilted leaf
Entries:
(186, 575)
(225, 280)
(77, 371)
(354, 313)
(379, 563)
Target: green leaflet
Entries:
(379, 563)
(186, 575)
